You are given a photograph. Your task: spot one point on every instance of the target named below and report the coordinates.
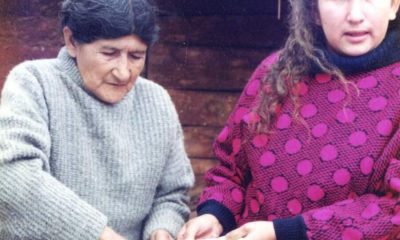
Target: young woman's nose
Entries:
(355, 11)
(122, 70)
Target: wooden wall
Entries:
(206, 53)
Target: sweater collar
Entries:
(69, 66)
(385, 54)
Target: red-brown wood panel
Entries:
(202, 68)
(253, 31)
(206, 109)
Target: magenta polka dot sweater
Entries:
(335, 176)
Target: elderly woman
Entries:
(88, 148)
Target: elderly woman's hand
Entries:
(201, 227)
(260, 230)
(161, 234)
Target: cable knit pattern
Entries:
(337, 170)
(70, 164)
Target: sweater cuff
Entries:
(290, 228)
(222, 213)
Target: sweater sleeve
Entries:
(170, 206)
(370, 215)
(227, 182)
(33, 204)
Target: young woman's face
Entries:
(109, 67)
(355, 27)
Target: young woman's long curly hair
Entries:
(302, 52)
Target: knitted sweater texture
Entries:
(333, 172)
(70, 164)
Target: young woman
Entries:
(89, 149)
(311, 149)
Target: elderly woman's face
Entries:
(109, 68)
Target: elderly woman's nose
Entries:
(122, 70)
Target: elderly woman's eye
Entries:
(109, 53)
(136, 56)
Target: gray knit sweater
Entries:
(70, 164)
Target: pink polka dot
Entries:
(323, 78)
(304, 167)
(367, 83)
(251, 118)
(294, 206)
(293, 146)
(279, 184)
(237, 218)
(319, 130)
(395, 184)
(328, 153)
(344, 202)
(396, 71)
(239, 114)
(351, 234)
(218, 179)
(323, 215)
(358, 138)
(371, 211)
(384, 127)
(217, 197)
(366, 165)
(272, 217)
(336, 96)
(395, 219)
(267, 159)
(303, 89)
(245, 212)
(260, 196)
(223, 135)
(260, 140)
(283, 121)
(237, 195)
(348, 222)
(254, 206)
(315, 193)
(236, 146)
(346, 115)
(377, 104)
(308, 110)
(342, 177)
(253, 87)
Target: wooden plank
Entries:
(197, 68)
(209, 109)
(24, 38)
(33, 37)
(200, 166)
(220, 7)
(199, 141)
(195, 191)
(260, 31)
(30, 7)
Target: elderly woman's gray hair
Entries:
(90, 20)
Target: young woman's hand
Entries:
(161, 234)
(202, 227)
(109, 234)
(260, 230)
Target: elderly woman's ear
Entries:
(69, 41)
